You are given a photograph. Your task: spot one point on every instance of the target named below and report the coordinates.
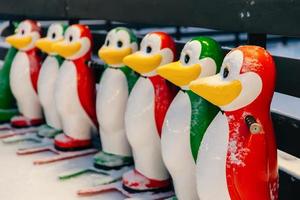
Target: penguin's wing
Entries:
(86, 88)
(164, 95)
(203, 113)
(35, 66)
(6, 97)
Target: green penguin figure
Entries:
(189, 115)
(114, 88)
(8, 107)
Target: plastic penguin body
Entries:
(24, 74)
(7, 102)
(188, 115)
(146, 109)
(75, 90)
(238, 152)
(47, 78)
(114, 88)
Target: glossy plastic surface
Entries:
(240, 163)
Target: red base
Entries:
(65, 143)
(133, 181)
(22, 121)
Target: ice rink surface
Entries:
(21, 180)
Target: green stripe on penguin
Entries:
(203, 113)
(7, 102)
(189, 115)
(131, 77)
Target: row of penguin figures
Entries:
(199, 126)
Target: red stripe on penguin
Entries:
(164, 91)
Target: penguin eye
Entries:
(148, 49)
(22, 31)
(225, 72)
(53, 35)
(119, 43)
(70, 38)
(107, 43)
(187, 59)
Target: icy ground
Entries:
(21, 180)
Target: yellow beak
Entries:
(179, 74)
(113, 56)
(66, 49)
(216, 90)
(142, 63)
(19, 42)
(46, 45)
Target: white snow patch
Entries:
(20, 179)
(236, 151)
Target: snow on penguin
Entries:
(47, 78)
(24, 74)
(146, 109)
(75, 91)
(188, 115)
(238, 153)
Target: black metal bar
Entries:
(178, 33)
(73, 21)
(257, 39)
(237, 39)
(9, 29)
(258, 16)
(287, 133)
(240, 16)
(288, 187)
(108, 25)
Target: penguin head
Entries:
(77, 43)
(26, 34)
(200, 57)
(55, 34)
(119, 43)
(157, 48)
(246, 78)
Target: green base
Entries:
(172, 198)
(7, 114)
(109, 161)
(46, 131)
(81, 172)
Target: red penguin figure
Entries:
(238, 153)
(75, 93)
(146, 109)
(24, 74)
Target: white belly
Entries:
(176, 148)
(142, 132)
(22, 88)
(46, 85)
(75, 120)
(211, 161)
(111, 103)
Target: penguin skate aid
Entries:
(240, 141)
(182, 133)
(149, 179)
(45, 88)
(74, 97)
(115, 85)
(24, 64)
(148, 104)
